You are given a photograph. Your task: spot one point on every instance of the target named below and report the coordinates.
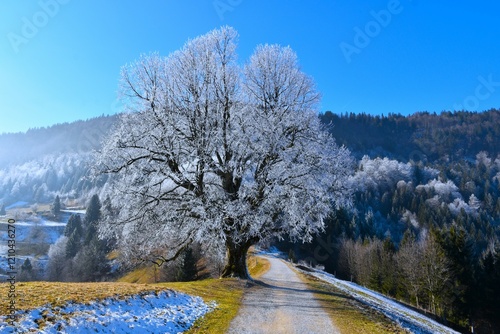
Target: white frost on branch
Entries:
(447, 191)
(219, 154)
(380, 172)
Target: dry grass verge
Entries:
(257, 266)
(349, 315)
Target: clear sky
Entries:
(60, 59)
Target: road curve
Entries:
(279, 302)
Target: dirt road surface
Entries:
(279, 302)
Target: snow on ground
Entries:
(405, 317)
(163, 312)
(29, 232)
(78, 211)
(35, 231)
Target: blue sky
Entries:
(60, 59)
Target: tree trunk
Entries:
(236, 265)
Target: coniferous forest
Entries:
(423, 226)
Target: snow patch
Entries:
(161, 312)
(76, 211)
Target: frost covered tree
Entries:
(57, 260)
(409, 263)
(221, 154)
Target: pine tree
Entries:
(27, 265)
(92, 216)
(408, 238)
(90, 263)
(291, 256)
(26, 272)
(73, 245)
(459, 249)
(489, 284)
(497, 208)
(388, 275)
(56, 206)
(74, 225)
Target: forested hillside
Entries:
(421, 136)
(38, 165)
(425, 223)
(75, 137)
(51, 155)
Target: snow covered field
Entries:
(163, 312)
(405, 317)
(36, 231)
(31, 231)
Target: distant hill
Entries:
(40, 163)
(419, 137)
(75, 137)
(423, 135)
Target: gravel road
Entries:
(279, 302)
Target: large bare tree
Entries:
(218, 153)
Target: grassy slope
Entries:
(227, 293)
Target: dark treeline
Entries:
(425, 224)
(419, 136)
